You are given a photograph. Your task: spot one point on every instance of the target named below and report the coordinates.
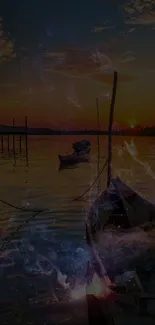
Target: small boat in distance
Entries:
(81, 150)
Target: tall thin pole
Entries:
(98, 125)
(13, 134)
(98, 141)
(2, 143)
(14, 150)
(110, 128)
(26, 142)
(20, 142)
(8, 143)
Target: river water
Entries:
(50, 250)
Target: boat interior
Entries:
(120, 207)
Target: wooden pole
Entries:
(8, 143)
(98, 141)
(110, 128)
(13, 135)
(14, 149)
(2, 143)
(98, 117)
(98, 125)
(20, 142)
(26, 142)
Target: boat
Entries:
(119, 206)
(121, 210)
(73, 158)
(81, 150)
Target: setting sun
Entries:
(132, 124)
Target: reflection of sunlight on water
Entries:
(78, 292)
(97, 287)
(46, 262)
(131, 168)
(131, 148)
(62, 264)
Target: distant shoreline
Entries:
(22, 130)
(76, 133)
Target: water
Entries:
(48, 257)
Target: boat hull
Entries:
(119, 206)
(73, 159)
(128, 273)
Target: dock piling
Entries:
(20, 142)
(13, 138)
(2, 143)
(15, 133)
(26, 140)
(8, 143)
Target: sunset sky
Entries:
(56, 57)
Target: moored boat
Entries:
(79, 155)
(121, 211)
(119, 206)
(73, 158)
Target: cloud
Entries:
(103, 61)
(99, 28)
(73, 102)
(127, 57)
(55, 58)
(144, 19)
(130, 10)
(74, 61)
(131, 30)
(6, 46)
(85, 64)
(55, 54)
(108, 78)
(139, 12)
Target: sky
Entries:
(57, 57)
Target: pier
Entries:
(15, 141)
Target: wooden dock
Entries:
(15, 142)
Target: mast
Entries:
(98, 139)
(110, 128)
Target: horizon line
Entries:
(136, 128)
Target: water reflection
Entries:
(14, 150)
(54, 242)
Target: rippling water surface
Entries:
(50, 250)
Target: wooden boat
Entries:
(123, 209)
(79, 155)
(73, 158)
(119, 206)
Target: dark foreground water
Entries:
(43, 266)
